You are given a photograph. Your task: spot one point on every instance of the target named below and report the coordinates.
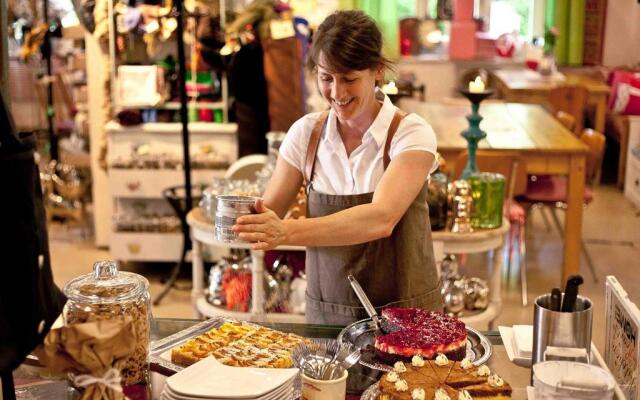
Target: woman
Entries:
(365, 165)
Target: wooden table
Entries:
(545, 145)
(527, 86)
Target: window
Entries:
(406, 8)
(526, 17)
(510, 15)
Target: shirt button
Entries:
(41, 327)
(40, 261)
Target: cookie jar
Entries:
(108, 293)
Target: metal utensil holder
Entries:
(571, 330)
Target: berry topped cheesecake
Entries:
(420, 332)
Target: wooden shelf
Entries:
(173, 128)
(175, 105)
(149, 183)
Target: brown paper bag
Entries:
(92, 353)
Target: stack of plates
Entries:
(211, 380)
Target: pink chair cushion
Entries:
(516, 213)
(616, 78)
(628, 98)
(552, 189)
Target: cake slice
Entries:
(392, 388)
(441, 367)
(464, 373)
(450, 392)
(493, 389)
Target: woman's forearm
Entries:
(355, 225)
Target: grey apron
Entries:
(395, 271)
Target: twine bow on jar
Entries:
(111, 379)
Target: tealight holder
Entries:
(474, 134)
(461, 210)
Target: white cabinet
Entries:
(632, 177)
(143, 225)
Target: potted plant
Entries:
(548, 64)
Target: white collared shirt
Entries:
(360, 172)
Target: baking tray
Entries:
(361, 334)
(160, 350)
(159, 354)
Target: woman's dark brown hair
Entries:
(349, 41)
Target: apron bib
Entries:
(395, 271)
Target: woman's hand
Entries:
(264, 229)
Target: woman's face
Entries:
(350, 94)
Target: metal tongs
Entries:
(366, 303)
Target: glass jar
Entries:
(487, 190)
(109, 294)
(437, 200)
(236, 284)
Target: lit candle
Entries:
(476, 86)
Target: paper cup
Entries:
(313, 389)
(565, 380)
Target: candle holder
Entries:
(474, 134)
(462, 203)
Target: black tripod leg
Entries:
(174, 275)
(8, 390)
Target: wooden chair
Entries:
(572, 100)
(566, 119)
(510, 165)
(551, 190)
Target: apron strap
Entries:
(393, 127)
(312, 148)
(316, 133)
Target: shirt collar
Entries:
(378, 128)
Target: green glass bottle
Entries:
(488, 197)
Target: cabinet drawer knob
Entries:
(134, 248)
(134, 186)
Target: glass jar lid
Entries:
(106, 285)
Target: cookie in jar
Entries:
(108, 293)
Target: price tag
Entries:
(622, 350)
(281, 29)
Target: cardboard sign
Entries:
(281, 29)
(622, 349)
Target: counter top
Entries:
(34, 387)
(517, 377)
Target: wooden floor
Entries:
(611, 229)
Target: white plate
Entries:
(210, 378)
(286, 392)
(285, 388)
(506, 333)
